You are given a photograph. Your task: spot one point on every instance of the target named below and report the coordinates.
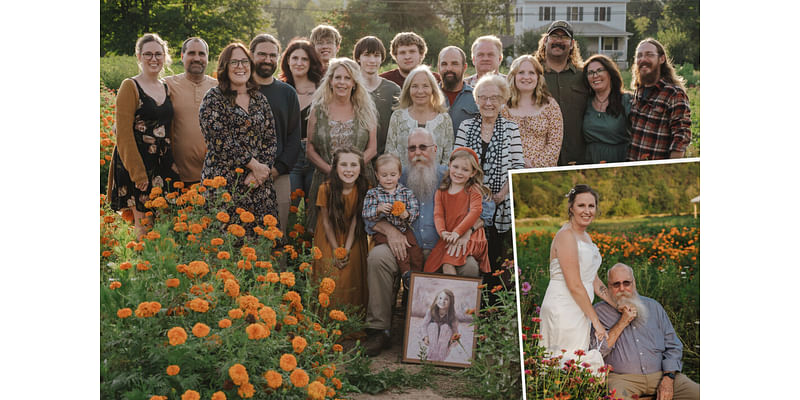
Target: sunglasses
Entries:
(616, 285)
(422, 147)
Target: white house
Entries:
(601, 23)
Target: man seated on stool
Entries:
(642, 347)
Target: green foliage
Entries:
(528, 42)
(658, 189)
(679, 30)
(694, 104)
(115, 68)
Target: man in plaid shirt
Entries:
(660, 116)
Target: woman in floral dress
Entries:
(342, 114)
(239, 129)
(142, 157)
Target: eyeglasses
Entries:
(559, 37)
(493, 99)
(239, 63)
(616, 285)
(150, 55)
(591, 73)
(422, 148)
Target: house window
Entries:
(574, 13)
(517, 14)
(608, 44)
(602, 13)
(547, 13)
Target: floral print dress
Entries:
(151, 130)
(233, 137)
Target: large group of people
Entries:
(355, 141)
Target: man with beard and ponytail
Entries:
(660, 116)
(186, 91)
(642, 347)
(422, 176)
(563, 72)
(460, 102)
(282, 99)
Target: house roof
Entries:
(595, 29)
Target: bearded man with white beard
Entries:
(642, 347)
(422, 176)
(661, 122)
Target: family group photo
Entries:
(610, 281)
(315, 200)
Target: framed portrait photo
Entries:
(439, 319)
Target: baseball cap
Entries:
(560, 24)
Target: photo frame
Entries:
(448, 339)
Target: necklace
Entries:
(599, 104)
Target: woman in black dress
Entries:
(143, 156)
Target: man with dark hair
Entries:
(563, 72)
(282, 99)
(642, 347)
(661, 123)
(326, 40)
(460, 101)
(408, 50)
(186, 91)
(369, 53)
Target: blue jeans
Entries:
(300, 176)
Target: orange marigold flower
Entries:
(269, 316)
(235, 313)
(337, 315)
(299, 344)
(289, 320)
(288, 362)
(249, 303)
(115, 285)
(336, 382)
(223, 217)
(106, 253)
(236, 230)
(299, 378)
(299, 228)
(225, 323)
(274, 379)
(195, 228)
(239, 210)
(232, 288)
(317, 391)
(247, 217)
(200, 329)
(256, 331)
(226, 197)
(217, 242)
(292, 297)
(293, 209)
(324, 300)
(153, 235)
(337, 347)
(316, 252)
(269, 220)
(329, 370)
(197, 269)
(497, 288)
(124, 313)
(246, 390)
(190, 395)
(239, 170)
(238, 374)
(198, 305)
(287, 278)
(327, 286)
(143, 266)
(223, 255)
(340, 253)
(219, 396)
(177, 335)
(273, 277)
(127, 215)
(173, 370)
(398, 208)
(173, 282)
(304, 266)
(125, 265)
(158, 397)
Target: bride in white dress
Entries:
(567, 313)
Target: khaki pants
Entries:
(382, 272)
(628, 385)
(283, 191)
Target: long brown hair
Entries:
(667, 70)
(222, 72)
(335, 200)
(450, 318)
(314, 64)
(615, 97)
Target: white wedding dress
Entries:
(564, 325)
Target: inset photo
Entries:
(609, 263)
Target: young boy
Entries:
(383, 201)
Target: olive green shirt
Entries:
(570, 91)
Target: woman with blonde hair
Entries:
(541, 126)
(143, 155)
(342, 115)
(421, 106)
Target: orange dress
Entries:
(457, 213)
(351, 281)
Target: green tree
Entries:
(679, 31)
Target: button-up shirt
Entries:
(644, 349)
(188, 143)
(379, 195)
(569, 90)
(660, 122)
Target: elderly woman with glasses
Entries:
(496, 141)
(237, 122)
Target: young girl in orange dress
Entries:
(340, 231)
(457, 206)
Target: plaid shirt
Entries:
(378, 195)
(660, 123)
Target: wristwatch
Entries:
(669, 374)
